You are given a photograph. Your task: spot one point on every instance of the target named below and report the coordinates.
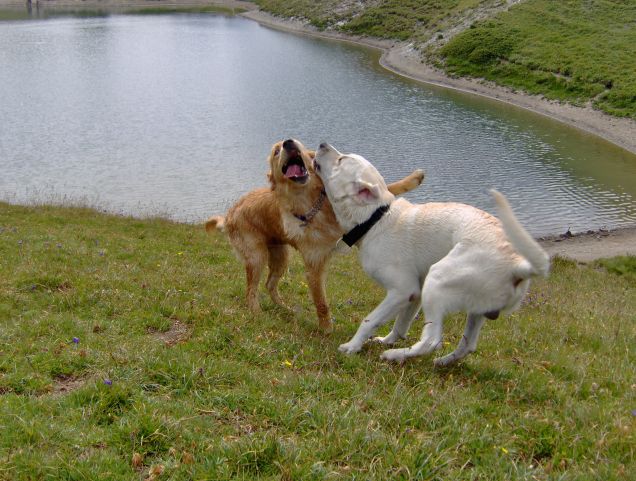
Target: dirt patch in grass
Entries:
(66, 384)
(177, 333)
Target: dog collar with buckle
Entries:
(309, 216)
(358, 232)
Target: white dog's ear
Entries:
(364, 192)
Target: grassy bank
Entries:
(572, 50)
(396, 19)
(575, 51)
(126, 353)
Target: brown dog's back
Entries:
(256, 214)
(252, 224)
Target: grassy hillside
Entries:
(126, 353)
(398, 19)
(577, 51)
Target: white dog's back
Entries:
(422, 234)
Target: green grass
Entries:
(621, 265)
(576, 51)
(395, 19)
(201, 389)
(322, 13)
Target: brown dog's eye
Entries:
(277, 151)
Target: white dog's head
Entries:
(354, 187)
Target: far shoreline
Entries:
(398, 58)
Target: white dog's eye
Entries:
(339, 161)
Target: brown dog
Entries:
(293, 211)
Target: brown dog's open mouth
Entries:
(294, 169)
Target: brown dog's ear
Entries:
(270, 160)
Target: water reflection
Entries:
(175, 115)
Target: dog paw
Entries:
(394, 355)
(445, 360)
(349, 348)
(429, 345)
(386, 340)
(451, 358)
(255, 308)
(326, 326)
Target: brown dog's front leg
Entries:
(316, 279)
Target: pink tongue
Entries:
(294, 171)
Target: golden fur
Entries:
(264, 222)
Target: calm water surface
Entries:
(175, 114)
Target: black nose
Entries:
(289, 144)
(323, 146)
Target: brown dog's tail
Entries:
(215, 223)
(408, 183)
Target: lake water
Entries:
(174, 115)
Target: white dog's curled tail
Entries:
(519, 237)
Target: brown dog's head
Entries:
(290, 164)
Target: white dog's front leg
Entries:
(402, 324)
(392, 304)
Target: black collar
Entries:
(358, 232)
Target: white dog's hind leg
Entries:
(391, 306)
(402, 324)
(468, 342)
(430, 342)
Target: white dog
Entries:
(445, 257)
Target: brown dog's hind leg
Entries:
(278, 259)
(253, 269)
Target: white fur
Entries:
(444, 257)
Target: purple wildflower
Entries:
(108, 382)
(76, 340)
